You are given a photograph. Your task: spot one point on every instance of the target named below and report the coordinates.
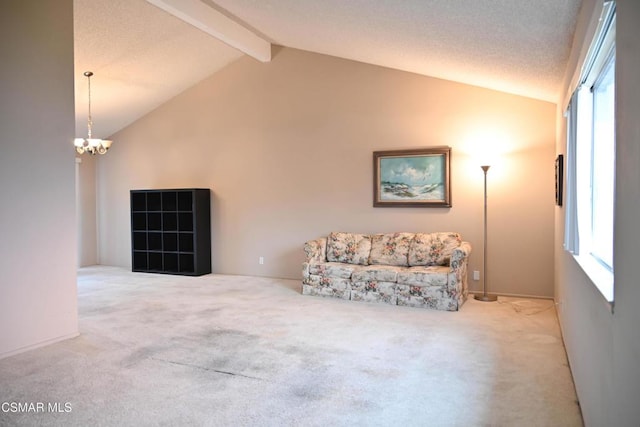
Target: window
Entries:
(589, 221)
(603, 165)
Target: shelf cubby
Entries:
(139, 221)
(154, 202)
(154, 221)
(169, 202)
(139, 241)
(170, 242)
(185, 242)
(169, 221)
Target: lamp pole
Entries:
(485, 297)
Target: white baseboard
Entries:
(500, 294)
(38, 345)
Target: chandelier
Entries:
(91, 145)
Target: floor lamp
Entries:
(485, 297)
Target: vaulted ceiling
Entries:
(141, 55)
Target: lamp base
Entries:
(486, 297)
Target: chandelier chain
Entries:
(89, 121)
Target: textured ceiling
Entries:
(142, 56)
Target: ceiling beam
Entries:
(214, 23)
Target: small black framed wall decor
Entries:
(412, 178)
(559, 177)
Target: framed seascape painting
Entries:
(412, 178)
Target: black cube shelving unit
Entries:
(171, 231)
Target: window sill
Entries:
(601, 278)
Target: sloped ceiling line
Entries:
(142, 56)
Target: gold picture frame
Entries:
(412, 178)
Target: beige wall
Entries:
(86, 210)
(37, 216)
(603, 342)
(286, 148)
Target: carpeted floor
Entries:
(243, 351)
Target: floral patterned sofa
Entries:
(413, 269)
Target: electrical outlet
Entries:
(476, 275)
(261, 260)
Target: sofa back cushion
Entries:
(350, 248)
(433, 248)
(390, 249)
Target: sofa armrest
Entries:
(316, 250)
(460, 256)
(458, 264)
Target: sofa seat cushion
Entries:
(326, 286)
(390, 249)
(433, 248)
(333, 269)
(374, 291)
(378, 273)
(424, 276)
(350, 248)
(434, 297)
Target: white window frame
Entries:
(580, 174)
